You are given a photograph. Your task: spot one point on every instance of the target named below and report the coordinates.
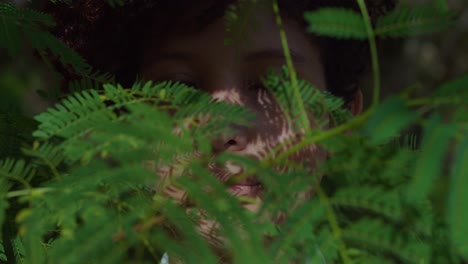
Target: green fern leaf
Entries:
(389, 119)
(14, 20)
(18, 249)
(10, 36)
(299, 230)
(457, 204)
(83, 84)
(336, 22)
(404, 21)
(429, 164)
(371, 198)
(3, 257)
(75, 116)
(80, 248)
(375, 236)
(452, 93)
(15, 170)
(5, 186)
(44, 41)
(46, 154)
(315, 101)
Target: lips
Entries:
(245, 190)
(238, 184)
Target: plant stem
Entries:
(289, 63)
(326, 134)
(335, 228)
(373, 50)
(36, 191)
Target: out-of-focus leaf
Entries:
(388, 120)
(457, 206)
(435, 143)
(405, 21)
(336, 22)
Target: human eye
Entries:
(253, 85)
(182, 78)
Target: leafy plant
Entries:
(87, 189)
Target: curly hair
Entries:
(111, 39)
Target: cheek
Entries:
(270, 119)
(271, 129)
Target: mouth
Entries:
(245, 190)
(241, 186)
(238, 183)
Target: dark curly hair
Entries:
(111, 39)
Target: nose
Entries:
(234, 140)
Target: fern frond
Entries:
(429, 164)
(299, 230)
(15, 170)
(455, 91)
(14, 20)
(92, 81)
(5, 186)
(3, 257)
(77, 113)
(18, 250)
(94, 217)
(377, 237)
(45, 42)
(197, 251)
(457, 202)
(47, 154)
(231, 217)
(336, 22)
(316, 102)
(388, 120)
(120, 138)
(371, 198)
(405, 21)
(84, 84)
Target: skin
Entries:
(231, 73)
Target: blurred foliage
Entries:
(420, 64)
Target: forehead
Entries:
(260, 31)
(259, 45)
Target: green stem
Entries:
(373, 50)
(289, 63)
(324, 135)
(335, 227)
(28, 192)
(434, 102)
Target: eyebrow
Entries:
(175, 56)
(266, 54)
(274, 54)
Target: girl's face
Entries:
(231, 73)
